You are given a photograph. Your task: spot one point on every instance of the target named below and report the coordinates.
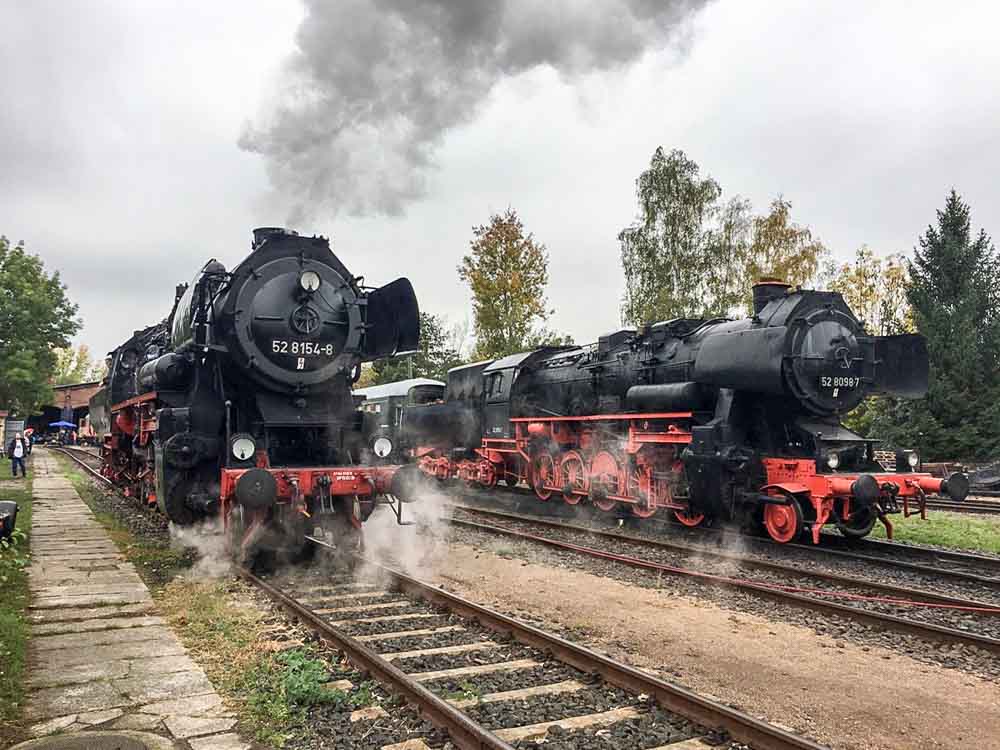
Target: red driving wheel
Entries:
(783, 522)
(605, 471)
(487, 475)
(642, 511)
(573, 477)
(543, 475)
(689, 517)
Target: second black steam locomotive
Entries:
(240, 403)
(707, 419)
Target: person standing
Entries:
(17, 450)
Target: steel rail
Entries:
(464, 732)
(884, 621)
(697, 708)
(855, 549)
(747, 562)
(69, 453)
(932, 554)
(966, 506)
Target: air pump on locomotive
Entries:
(709, 419)
(240, 404)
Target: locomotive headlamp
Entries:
(243, 448)
(907, 460)
(309, 281)
(382, 447)
(833, 460)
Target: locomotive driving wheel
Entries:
(646, 490)
(543, 474)
(605, 479)
(783, 522)
(642, 509)
(689, 517)
(678, 490)
(573, 476)
(487, 474)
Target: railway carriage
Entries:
(382, 413)
(705, 419)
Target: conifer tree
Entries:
(954, 291)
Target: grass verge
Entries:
(272, 690)
(13, 603)
(957, 530)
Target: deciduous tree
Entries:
(36, 317)
(875, 289)
(666, 252)
(507, 272)
(75, 365)
(690, 254)
(779, 248)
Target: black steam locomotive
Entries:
(709, 419)
(240, 404)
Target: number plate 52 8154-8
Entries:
(302, 348)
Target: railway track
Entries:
(932, 616)
(973, 506)
(967, 566)
(494, 682)
(85, 459)
(961, 567)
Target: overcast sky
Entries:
(121, 125)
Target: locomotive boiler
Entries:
(708, 419)
(239, 403)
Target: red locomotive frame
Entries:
(135, 420)
(634, 460)
(296, 483)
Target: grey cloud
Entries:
(375, 84)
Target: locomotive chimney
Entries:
(261, 234)
(766, 290)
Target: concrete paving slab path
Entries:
(100, 657)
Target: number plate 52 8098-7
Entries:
(839, 381)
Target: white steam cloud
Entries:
(375, 84)
(418, 549)
(208, 539)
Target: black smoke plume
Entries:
(374, 84)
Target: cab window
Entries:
(494, 385)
